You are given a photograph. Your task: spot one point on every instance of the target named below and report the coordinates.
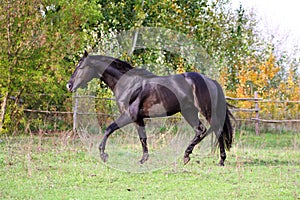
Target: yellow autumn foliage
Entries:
(180, 66)
(263, 78)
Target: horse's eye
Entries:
(81, 67)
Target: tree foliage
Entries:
(40, 40)
(266, 78)
(228, 36)
(36, 37)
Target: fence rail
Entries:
(47, 111)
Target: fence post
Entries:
(75, 112)
(256, 113)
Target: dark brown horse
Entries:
(141, 94)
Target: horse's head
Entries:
(82, 75)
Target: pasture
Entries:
(59, 167)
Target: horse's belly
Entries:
(159, 110)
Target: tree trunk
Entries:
(3, 110)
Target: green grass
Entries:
(257, 167)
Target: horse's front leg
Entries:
(123, 120)
(143, 139)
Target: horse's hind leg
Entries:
(191, 116)
(143, 139)
(201, 133)
(222, 150)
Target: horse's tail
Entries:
(228, 130)
(210, 100)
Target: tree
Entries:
(227, 36)
(36, 37)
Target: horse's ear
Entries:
(85, 54)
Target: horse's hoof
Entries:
(144, 158)
(221, 164)
(104, 156)
(186, 159)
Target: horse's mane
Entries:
(118, 64)
(124, 67)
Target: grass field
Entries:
(56, 167)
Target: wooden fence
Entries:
(257, 120)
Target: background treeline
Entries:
(41, 40)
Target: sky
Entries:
(280, 18)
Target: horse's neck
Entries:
(111, 77)
(107, 69)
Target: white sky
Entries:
(278, 17)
